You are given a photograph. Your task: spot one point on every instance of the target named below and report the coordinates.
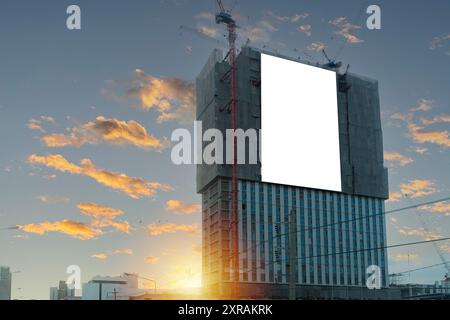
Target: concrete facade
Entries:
(360, 133)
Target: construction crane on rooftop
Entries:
(225, 17)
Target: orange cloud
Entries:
(173, 98)
(110, 130)
(306, 29)
(338, 21)
(398, 158)
(345, 33)
(406, 257)
(182, 208)
(419, 232)
(414, 189)
(52, 198)
(423, 105)
(103, 216)
(151, 260)
(36, 124)
(106, 255)
(441, 138)
(74, 229)
(420, 150)
(434, 120)
(100, 256)
(136, 188)
(128, 252)
(156, 230)
(440, 207)
(98, 212)
(317, 46)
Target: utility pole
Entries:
(292, 254)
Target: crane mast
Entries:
(225, 18)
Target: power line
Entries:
(356, 251)
(418, 269)
(311, 228)
(306, 229)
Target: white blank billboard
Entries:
(299, 125)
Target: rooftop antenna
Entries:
(225, 17)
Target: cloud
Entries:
(414, 189)
(36, 124)
(127, 252)
(210, 32)
(345, 33)
(277, 17)
(100, 256)
(423, 105)
(172, 98)
(405, 257)
(151, 260)
(445, 247)
(435, 120)
(295, 18)
(106, 255)
(418, 132)
(182, 208)
(52, 198)
(317, 46)
(106, 130)
(306, 29)
(338, 21)
(136, 188)
(397, 158)
(419, 232)
(438, 42)
(402, 117)
(420, 135)
(71, 228)
(99, 212)
(420, 150)
(103, 216)
(260, 32)
(440, 207)
(298, 17)
(156, 230)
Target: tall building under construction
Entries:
(310, 212)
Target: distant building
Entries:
(5, 283)
(123, 287)
(62, 292)
(437, 291)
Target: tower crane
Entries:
(435, 245)
(224, 17)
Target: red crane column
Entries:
(234, 178)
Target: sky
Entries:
(86, 117)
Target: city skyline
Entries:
(87, 177)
